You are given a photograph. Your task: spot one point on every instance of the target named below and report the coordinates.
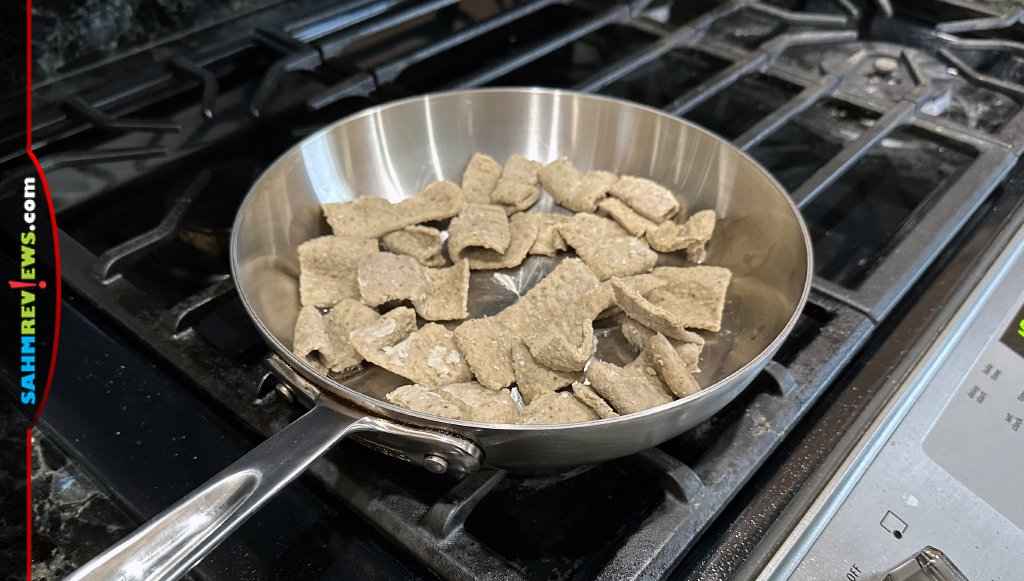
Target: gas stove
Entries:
(898, 137)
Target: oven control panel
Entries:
(979, 436)
(935, 488)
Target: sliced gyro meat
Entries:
(384, 277)
(420, 242)
(392, 327)
(479, 226)
(643, 310)
(486, 345)
(523, 232)
(647, 198)
(518, 188)
(593, 187)
(574, 190)
(373, 217)
(534, 379)
(567, 343)
(629, 389)
(587, 395)
(636, 334)
(557, 408)
(549, 241)
(688, 347)
(691, 235)
(438, 201)
(425, 399)
(428, 356)
(670, 366)
(447, 293)
(364, 217)
(606, 248)
(328, 266)
(626, 217)
(602, 302)
(345, 317)
(559, 179)
(484, 404)
(643, 283)
(310, 340)
(479, 178)
(699, 294)
(570, 283)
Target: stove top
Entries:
(897, 137)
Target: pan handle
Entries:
(172, 542)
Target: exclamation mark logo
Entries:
(22, 284)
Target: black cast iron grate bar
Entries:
(885, 6)
(502, 67)
(344, 15)
(803, 18)
(795, 106)
(851, 153)
(306, 60)
(116, 259)
(77, 106)
(630, 63)
(1014, 89)
(911, 256)
(798, 104)
(848, 7)
(207, 80)
(716, 84)
(1012, 134)
(278, 41)
(984, 23)
(1008, 138)
(757, 60)
(137, 92)
(986, 44)
(448, 515)
(971, 6)
(678, 481)
(389, 72)
(361, 85)
(184, 315)
(97, 156)
(945, 127)
(335, 45)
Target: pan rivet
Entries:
(285, 392)
(435, 464)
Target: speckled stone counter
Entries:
(76, 33)
(72, 519)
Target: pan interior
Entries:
(396, 150)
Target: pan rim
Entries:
(365, 402)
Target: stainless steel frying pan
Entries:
(395, 150)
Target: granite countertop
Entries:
(73, 519)
(78, 33)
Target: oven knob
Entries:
(930, 564)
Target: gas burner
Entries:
(199, 252)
